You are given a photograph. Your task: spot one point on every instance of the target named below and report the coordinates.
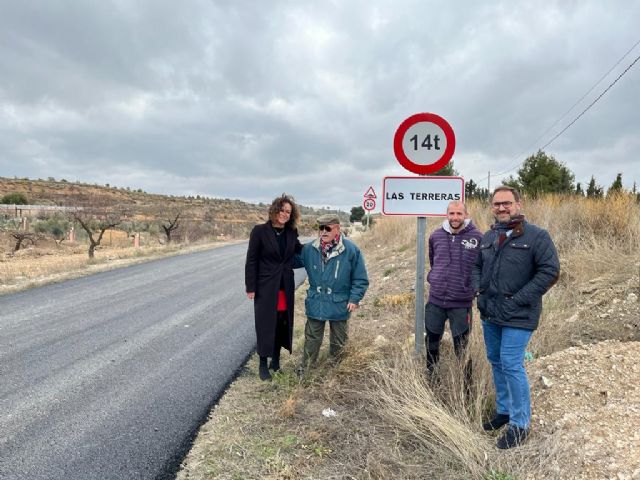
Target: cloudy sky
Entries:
(246, 99)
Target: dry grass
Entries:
(391, 421)
(48, 262)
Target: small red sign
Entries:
(369, 204)
(370, 193)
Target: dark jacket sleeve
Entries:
(251, 263)
(476, 271)
(298, 247)
(547, 271)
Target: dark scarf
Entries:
(503, 228)
(510, 225)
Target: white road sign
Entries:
(420, 196)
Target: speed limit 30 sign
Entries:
(424, 143)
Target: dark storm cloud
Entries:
(238, 100)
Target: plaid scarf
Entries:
(326, 248)
(503, 228)
(510, 225)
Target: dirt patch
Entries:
(587, 399)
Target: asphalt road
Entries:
(110, 376)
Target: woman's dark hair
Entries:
(278, 204)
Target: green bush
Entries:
(57, 227)
(15, 199)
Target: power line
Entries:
(591, 104)
(574, 105)
(582, 97)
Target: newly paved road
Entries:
(109, 376)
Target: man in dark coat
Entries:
(270, 282)
(516, 266)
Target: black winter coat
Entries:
(265, 270)
(512, 278)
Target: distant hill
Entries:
(217, 215)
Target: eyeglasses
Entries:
(506, 204)
(325, 228)
(286, 212)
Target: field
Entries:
(392, 422)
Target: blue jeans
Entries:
(505, 352)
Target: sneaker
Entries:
(512, 437)
(496, 422)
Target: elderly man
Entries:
(452, 253)
(516, 266)
(337, 282)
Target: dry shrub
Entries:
(289, 405)
(392, 300)
(396, 231)
(445, 431)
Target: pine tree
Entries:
(542, 173)
(447, 171)
(616, 186)
(470, 189)
(594, 190)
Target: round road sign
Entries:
(369, 204)
(424, 143)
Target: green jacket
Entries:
(333, 283)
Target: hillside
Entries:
(49, 252)
(222, 216)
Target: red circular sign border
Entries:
(432, 167)
(365, 201)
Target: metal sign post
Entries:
(420, 269)
(423, 143)
(369, 204)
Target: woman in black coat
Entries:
(269, 280)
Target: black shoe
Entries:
(263, 369)
(512, 437)
(275, 363)
(496, 422)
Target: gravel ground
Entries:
(587, 399)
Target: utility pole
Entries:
(489, 183)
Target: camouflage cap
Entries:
(328, 219)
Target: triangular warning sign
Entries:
(370, 193)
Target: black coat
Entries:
(265, 270)
(512, 278)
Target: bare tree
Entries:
(22, 237)
(170, 225)
(96, 221)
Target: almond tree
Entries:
(22, 237)
(170, 225)
(96, 221)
